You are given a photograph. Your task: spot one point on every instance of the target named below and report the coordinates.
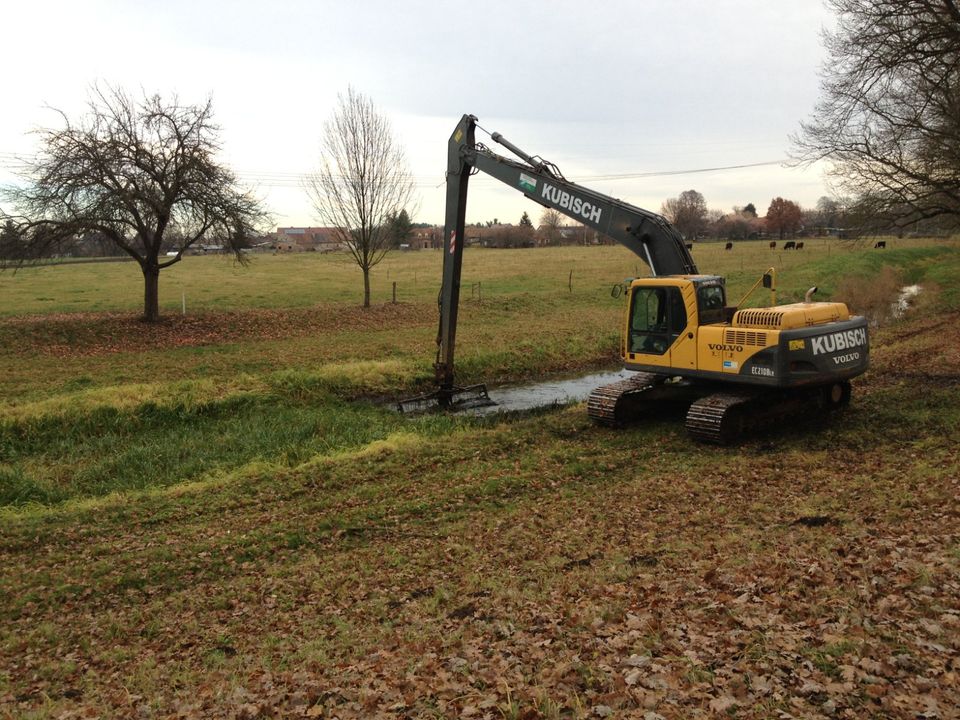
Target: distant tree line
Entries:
(785, 218)
(14, 245)
(691, 215)
(689, 212)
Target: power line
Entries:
(662, 173)
(293, 179)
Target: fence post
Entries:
(570, 282)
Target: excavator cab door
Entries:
(658, 320)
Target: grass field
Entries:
(214, 517)
(218, 283)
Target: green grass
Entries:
(304, 280)
(95, 451)
(915, 265)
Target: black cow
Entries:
(773, 244)
(800, 245)
(689, 246)
(880, 245)
(729, 246)
(790, 245)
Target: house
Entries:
(424, 238)
(206, 249)
(304, 239)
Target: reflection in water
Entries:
(555, 392)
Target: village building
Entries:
(307, 239)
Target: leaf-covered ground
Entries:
(85, 334)
(538, 567)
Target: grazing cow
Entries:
(800, 245)
(689, 246)
(790, 245)
(729, 246)
(880, 245)
(773, 244)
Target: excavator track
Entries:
(725, 417)
(610, 404)
(721, 418)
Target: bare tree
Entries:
(888, 119)
(740, 224)
(508, 236)
(688, 213)
(142, 173)
(550, 223)
(362, 182)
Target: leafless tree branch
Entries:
(141, 172)
(888, 120)
(362, 181)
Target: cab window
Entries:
(710, 302)
(657, 317)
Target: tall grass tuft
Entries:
(349, 379)
(873, 296)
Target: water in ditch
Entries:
(516, 398)
(902, 304)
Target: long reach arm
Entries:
(647, 234)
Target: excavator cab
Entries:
(664, 318)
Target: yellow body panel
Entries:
(723, 349)
(683, 352)
(796, 315)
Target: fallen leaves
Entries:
(90, 334)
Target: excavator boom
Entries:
(647, 234)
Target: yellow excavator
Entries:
(738, 369)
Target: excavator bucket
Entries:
(453, 399)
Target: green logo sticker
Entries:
(528, 183)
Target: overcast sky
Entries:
(600, 88)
